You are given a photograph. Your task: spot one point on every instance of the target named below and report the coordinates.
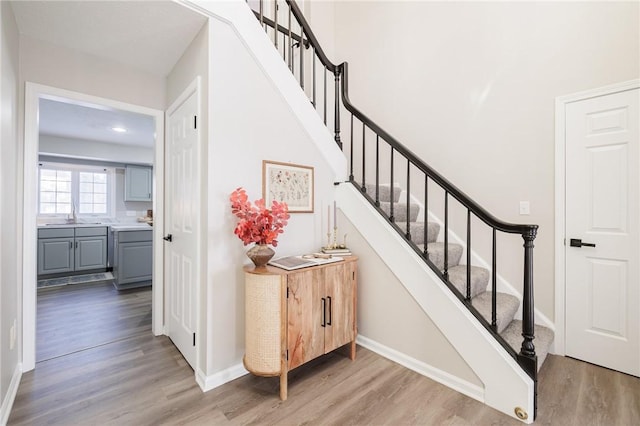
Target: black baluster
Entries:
(468, 254)
(377, 170)
(408, 234)
(275, 20)
(426, 215)
(364, 163)
(351, 157)
(391, 217)
(494, 284)
(261, 13)
(325, 96)
(446, 236)
(314, 78)
(301, 45)
(290, 45)
(337, 110)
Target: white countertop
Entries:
(130, 227)
(73, 225)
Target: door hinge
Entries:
(287, 354)
(195, 121)
(287, 292)
(194, 339)
(353, 275)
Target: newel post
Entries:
(527, 356)
(336, 73)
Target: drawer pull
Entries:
(324, 312)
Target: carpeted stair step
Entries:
(479, 279)
(400, 211)
(417, 231)
(436, 254)
(506, 307)
(542, 342)
(384, 192)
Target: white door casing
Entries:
(33, 92)
(182, 254)
(602, 294)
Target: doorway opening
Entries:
(85, 180)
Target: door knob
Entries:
(574, 242)
(169, 238)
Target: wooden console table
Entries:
(295, 316)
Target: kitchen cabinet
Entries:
(137, 183)
(293, 317)
(69, 249)
(133, 258)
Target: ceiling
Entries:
(66, 119)
(146, 35)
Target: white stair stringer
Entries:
(506, 385)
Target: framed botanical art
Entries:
(289, 183)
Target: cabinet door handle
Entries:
(76, 244)
(329, 322)
(70, 245)
(324, 312)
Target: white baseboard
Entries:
(220, 378)
(464, 387)
(10, 396)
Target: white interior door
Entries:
(182, 231)
(602, 208)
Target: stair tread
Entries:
(384, 191)
(400, 211)
(506, 307)
(479, 279)
(417, 231)
(436, 254)
(543, 339)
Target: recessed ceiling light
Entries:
(119, 129)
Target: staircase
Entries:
(507, 305)
(506, 344)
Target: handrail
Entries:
(464, 199)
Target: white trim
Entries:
(10, 395)
(464, 387)
(208, 383)
(194, 87)
(560, 212)
(33, 92)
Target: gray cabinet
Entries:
(137, 183)
(133, 258)
(69, 250)
(55, 255)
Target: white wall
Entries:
(470, 88)
(56, 66)
(10, 200)
(94, 150)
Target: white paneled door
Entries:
(602, 300)
(182, 209)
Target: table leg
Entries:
(283, 386)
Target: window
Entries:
(68, 189)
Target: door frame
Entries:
(194, 87)
(560, 199)
(33, 92)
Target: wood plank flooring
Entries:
(80, 316)
(143, 380)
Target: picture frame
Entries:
(289, 183)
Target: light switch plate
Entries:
(524, 208)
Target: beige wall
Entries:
(470, 88)
(10, 199)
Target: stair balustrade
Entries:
(303, 54)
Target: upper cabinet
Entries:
(137, 183)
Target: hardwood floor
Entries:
(80, 316)
(143, 380)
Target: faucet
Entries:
(72, 218)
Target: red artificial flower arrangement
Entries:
(257, 224)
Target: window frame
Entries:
(75, 170)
